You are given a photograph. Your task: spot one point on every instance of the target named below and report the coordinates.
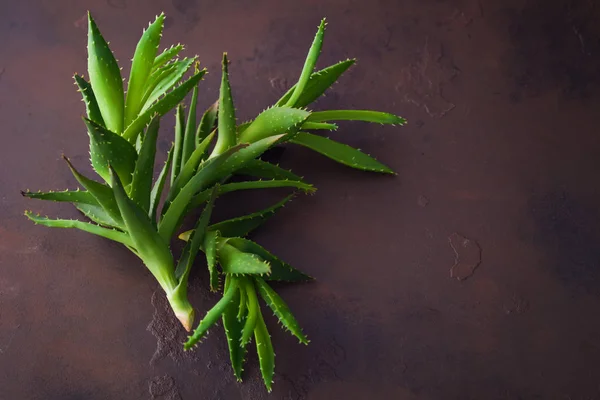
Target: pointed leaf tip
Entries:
(141, 67)
(105, 78)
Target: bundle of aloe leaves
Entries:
(207, 158)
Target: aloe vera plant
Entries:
(247, 267)
(125, 205)
(123, 128)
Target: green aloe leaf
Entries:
(107, 148)
(157, 189)
(97, 214)
(317, 84)
(245, 155)
(141, 67)
(210, 249)
(242, 310)
(189, 169)
(160, 76)
(141, 186)
(253, 310)
(172, 217)
(161, 107)
(164, 79)
(340, 152)
(107, 233)
(234, 261)
(91, 104)
(152, 249)
(213, 315)
(280, 271)
(226, 123)
(192, 247)
(309, 65)
(166, 56)
(105, 78)
(266, 355)
(266, 170)
(178, 149)
(280, 309)
(202, 197)
(189, 138)
(356, 115)
(242, 226)
(319, 126)
(207, 123)
(102, 193)
(71, 196)
(242, 127)
(233, 330)
(273, 121)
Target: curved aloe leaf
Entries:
(226, 123)
(319, 126)
(141, 185)
(246, 154)
(72, 196)
(266, 355)
(163, 80)
(189, 138)
(207, 123)
(166, 56)
(280, 271)
(341, 153)
(266, 170)
(107, 148)
(91, 104)
(210, 249)
(233, 330)
(201, 197)
(234, 261)
(212, 315)
(178, 149)
(141, 67)
(105, 78)
(242, 310)
(253, 310)
(161, 107)
(159, 76)
(97, 214)
(107, 233)
(242, 226)
(102, 193)
(174, 214)
(152, 249)
(242, 127)
(182, 271)
(356, 115)
(280, 309)
(159, 185)
(190, 167)
(318, 83)
(273, 121)
(309, 65)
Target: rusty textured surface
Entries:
(502, 146)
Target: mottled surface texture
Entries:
(501, 148)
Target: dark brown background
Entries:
(502, 148)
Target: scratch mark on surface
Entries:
(163, 387)
(422, 81)
(467, 256)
